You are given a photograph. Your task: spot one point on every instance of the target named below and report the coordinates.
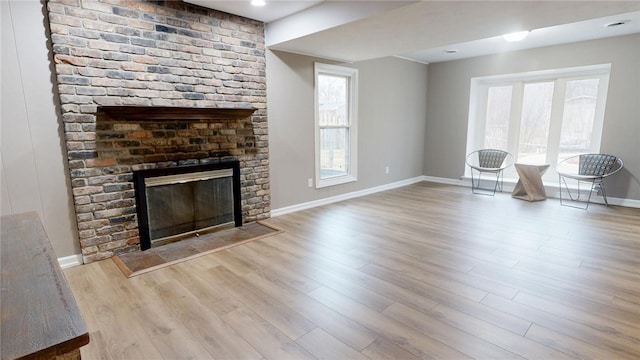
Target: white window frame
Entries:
(352, 102)
(478, 107)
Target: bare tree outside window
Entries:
(540, 117)
(534, 126)
(579, 116)
(498, 116)
(333, 121)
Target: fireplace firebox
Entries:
(179, 202)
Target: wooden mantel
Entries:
(142, 113)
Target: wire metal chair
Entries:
(587, 168)
(490, 161)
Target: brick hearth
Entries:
(154, 54)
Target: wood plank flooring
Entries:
(427, 271)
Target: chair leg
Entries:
(589, 198)
(578, 195)
(566, 186)
(604, 192)
(477, 189)
(473, 183)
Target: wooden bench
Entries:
(40, 317)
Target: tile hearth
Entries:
(140, 262)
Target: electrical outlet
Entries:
(310, 183)
(386, 170)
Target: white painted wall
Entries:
(33, 172)
(391, 122)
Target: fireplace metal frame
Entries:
(140, 176)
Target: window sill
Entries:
(338, 180)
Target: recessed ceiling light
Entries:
(618, 23)
(516, 36)
(451, 51)
(258, 3)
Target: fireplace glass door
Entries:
(180, 202)
(179, 205)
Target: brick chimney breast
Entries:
(163, 56)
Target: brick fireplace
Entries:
(196, 75)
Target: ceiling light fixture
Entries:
(516, 36)
(258, 3)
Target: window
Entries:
(336, 120)
(540, 117)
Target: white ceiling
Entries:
(275, 9)
(423, 30)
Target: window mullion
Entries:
(596, 138)
(516, 118)
(480, 130)
(555, 127)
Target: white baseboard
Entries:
(624, 202)
(552, 190)
(351, 195)
(445, 181)
(70, 261)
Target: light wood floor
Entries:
(424, 271)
